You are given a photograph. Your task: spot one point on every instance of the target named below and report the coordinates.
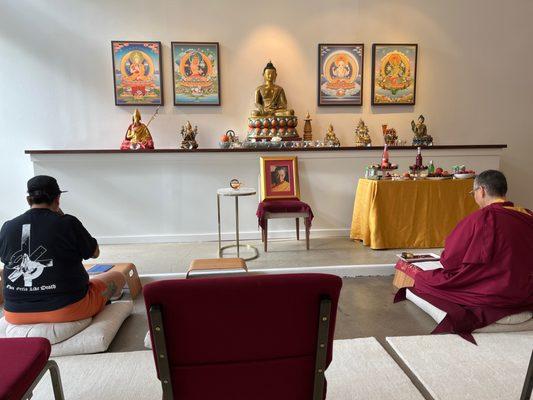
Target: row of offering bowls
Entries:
(267, 144)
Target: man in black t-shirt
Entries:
(42, 250)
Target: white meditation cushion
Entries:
(438, 315)
(516, 318)
(96, 337)
(55, 333)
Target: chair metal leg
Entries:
(56, 381)
(528, 383)
(297, 228)
(157, 331)
(322, 348)
(265, 232)
(307, 234)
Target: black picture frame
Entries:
(373, 94)
(185, 43)
(160, 65)
(322, 102)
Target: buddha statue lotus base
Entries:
(260, 128)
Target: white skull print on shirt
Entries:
(25, 263)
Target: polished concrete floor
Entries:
(176, 257)
(365, 309)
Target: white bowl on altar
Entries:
(464, 176)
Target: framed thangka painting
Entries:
(394, 73)
(137, 73)
(340, 74)
(279, 178)
(196, 74)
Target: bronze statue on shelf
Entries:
(331, 139)
(389, 135)
(308, 130)
(420, 130)
(138, 135)
(362, 138)
(271, 117)
(188, 135)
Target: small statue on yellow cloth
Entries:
(188, 135)
(271, 117)
(138, 135)
(362, 138)
(420, 130)
(331, 139)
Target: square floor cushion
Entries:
(513, 323)
(79, 337)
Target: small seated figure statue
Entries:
(331, 139)
(362, 138)
(271, 117)
(138, 135)
(188, 135)
(420, 130)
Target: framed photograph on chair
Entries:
(279, 178)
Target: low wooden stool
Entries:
(130, 273)
(401, 280)
(214, 266)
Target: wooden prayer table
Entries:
(216, 266)
(408, 214)
(130, 273)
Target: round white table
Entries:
(235, 193)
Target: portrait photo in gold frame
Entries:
(279, 178)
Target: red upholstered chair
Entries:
(286, 208)
(241, 338)
(23, 362)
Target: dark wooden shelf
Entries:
(255, 150)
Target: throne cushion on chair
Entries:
(283, 206)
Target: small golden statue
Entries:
(331, 139)
(138, 135)
(271, 116)
(362, 138)
(188, 135)
(420, 130)
(389, 135)
(308, 130)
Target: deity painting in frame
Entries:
(137, 73)
(196, 73)
(340, 74)
(394, 74)
(279, 178)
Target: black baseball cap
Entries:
(44, 185)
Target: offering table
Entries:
(409, 213)
(165, 195)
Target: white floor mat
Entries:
(361, 369)
(451, 368)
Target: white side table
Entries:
(235, 193)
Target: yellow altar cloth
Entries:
(409, 214)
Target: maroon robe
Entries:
(488, 270)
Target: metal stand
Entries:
(238, 245)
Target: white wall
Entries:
(474, 83)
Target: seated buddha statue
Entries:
(271, 118)
(270, 98)
(420, 130)
(137, 135)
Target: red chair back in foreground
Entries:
(249, 337)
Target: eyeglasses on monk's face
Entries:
(474, 190)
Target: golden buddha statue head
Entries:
(270, 73)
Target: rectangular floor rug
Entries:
(361, 369)
(451, 368)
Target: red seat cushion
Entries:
(283, 206)
(21, 361)
(247, 337)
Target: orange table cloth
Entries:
(409, 214)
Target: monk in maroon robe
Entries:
(488, 272)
